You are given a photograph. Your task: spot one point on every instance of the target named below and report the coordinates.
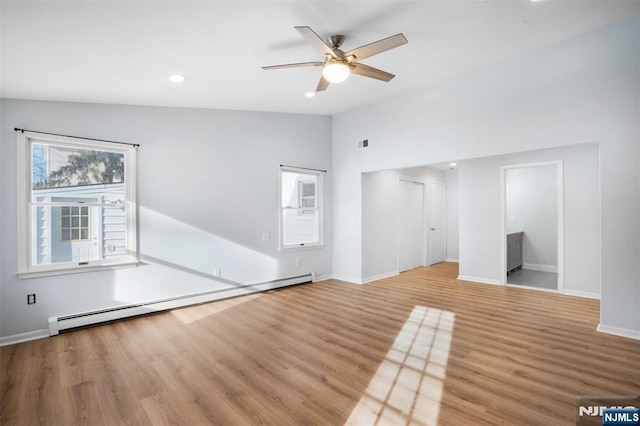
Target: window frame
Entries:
(25, 203)
(303, 211)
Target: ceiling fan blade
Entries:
(367, 71)
(322, 84)
(315, 40)
(377, 47)
(294, 65)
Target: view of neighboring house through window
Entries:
(307, 196)
(78, 204)
(300, 212)
(74, 225)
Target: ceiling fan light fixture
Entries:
(336, 72)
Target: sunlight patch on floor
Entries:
(195, 313)
(407, 386)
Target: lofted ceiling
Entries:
(122, 52)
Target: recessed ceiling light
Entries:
(452, 164)
(177, 78)
(310, 94)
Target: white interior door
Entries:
(437, 241)
(410, 225)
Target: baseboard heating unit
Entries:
(66, 322)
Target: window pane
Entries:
(308, 189)
(101, 234)
(289, 189)
(300, 228)
(114, 231)
(300, 219)
(59, 167)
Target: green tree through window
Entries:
(85, 168)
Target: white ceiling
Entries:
(123, 52)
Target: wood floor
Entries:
(419, 348)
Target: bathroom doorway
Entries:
(532, 226)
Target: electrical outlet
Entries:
(298, 262)
(31, 299)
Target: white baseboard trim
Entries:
(617, 331)
(479, 280)
(349, 280)
(448, 259)
(80, 319)
(525, 287)
(24, 337)
(321, 278)
(65, 322)
(578, 293)
(543, 268)
(379, 277)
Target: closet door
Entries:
(410, 225)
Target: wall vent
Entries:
(363, 143)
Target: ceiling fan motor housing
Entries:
(336, 40)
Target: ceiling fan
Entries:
(337, 64)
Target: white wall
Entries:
(579, 91)
(208, 191)
(453, 225)
(379, 224)
(380, 218)
(532, 206)
(480, 228)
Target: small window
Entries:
(77, 205)
(307, 197)
(74, 224)
(300, 208)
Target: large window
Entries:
(76, 205)
(300, 207)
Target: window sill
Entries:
(76, 269)
(301, 246)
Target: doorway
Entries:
(532, 225)
(75, 230)
(437, 215)
(410, 225)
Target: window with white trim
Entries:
(76, 204)
(300, 207)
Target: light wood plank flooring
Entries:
(419, 348)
